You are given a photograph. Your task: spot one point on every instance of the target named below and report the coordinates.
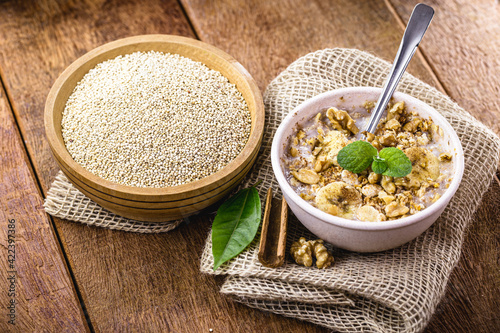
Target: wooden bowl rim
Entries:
(150, 193)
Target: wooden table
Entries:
(74, 278)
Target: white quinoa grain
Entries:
(152, 119)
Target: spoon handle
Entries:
(417, 25)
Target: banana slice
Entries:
(333, 142)
(370, 214)
(338, 199)
(425, 165)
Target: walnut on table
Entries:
(303, 251)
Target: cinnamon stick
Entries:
(273, 236)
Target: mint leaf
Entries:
(356, 156)
(398, 164)
(379, 165)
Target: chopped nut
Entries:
(369, 136)
(306, 176)
(388, 139)
(396, 209)
(301, 252)
(395, 110)
(387, 184)
(422, 140)
(375, 143)
(371, 190)
(300, 135)
(436, 197)
(350, 177)
(369, 214)
(392, 124)
(445, 157)
(323, 258)
(294, 152)
(374, 177)
(368, 105)
(412, 125)
(386, 197)
(316, 151)
(342, 118)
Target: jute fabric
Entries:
(64, 200)
(392, 291)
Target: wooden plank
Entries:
(472, 299)
(463, 46)
(36, 290)
(380, 34)
(266, 36)
(128, 282)
(464, 49)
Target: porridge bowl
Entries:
(123, 144)
(365, 211)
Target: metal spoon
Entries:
(417, 25)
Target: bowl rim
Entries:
(291, 120)
(184, 191)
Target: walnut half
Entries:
(303, 251)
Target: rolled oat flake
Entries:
(153, 119)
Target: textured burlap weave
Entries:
(392, 291)
(65, 201)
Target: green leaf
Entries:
(398, 164)
(356, 156)
(235, 225)
(379, 165)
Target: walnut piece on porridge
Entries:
(396, 209)
(369, 214)
(371, 190)
(445, 157)
(341, 120)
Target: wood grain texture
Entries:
(128, 282)
(463, 47)
(472, 299)
(32, 268)
(266, 36)
(144, 283)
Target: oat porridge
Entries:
(313, 170)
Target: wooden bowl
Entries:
(155, 204)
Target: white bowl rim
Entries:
(361, 225)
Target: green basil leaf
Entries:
(398, 164)
(379, 165)
(356, 156)
(235, 225)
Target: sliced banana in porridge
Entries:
(313, 170)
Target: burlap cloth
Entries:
(64, 200)
(393, 291)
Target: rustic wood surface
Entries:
(117, 281)
(35, 279)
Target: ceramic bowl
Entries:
(155, 204)
(358, 235)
